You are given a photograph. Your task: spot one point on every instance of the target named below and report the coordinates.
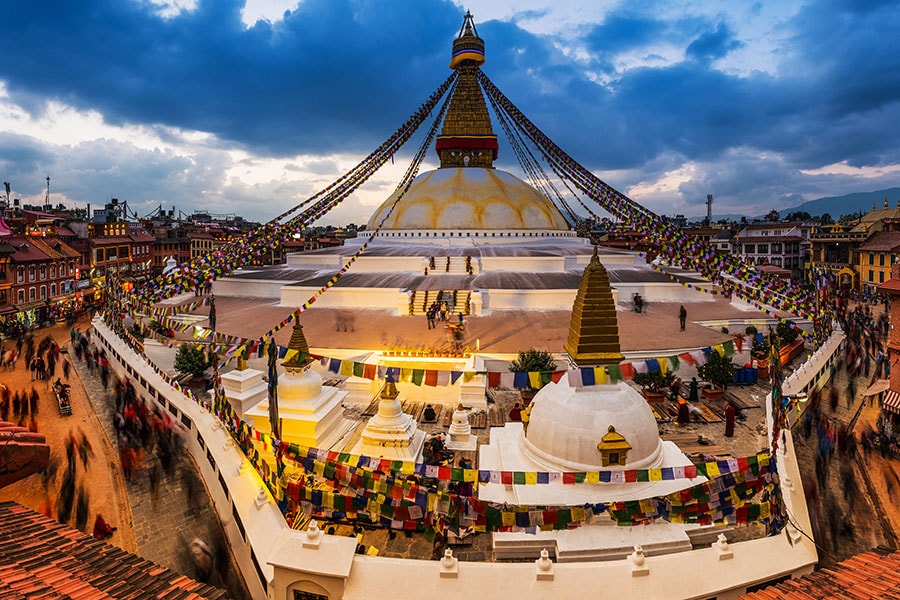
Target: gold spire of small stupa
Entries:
(301, 358)
(594, 329)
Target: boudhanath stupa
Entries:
(499, 257)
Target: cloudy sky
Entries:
(251, 106)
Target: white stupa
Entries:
(607, 427)
(244, 388)
(391, 433)
(460, 433)
(310, 414)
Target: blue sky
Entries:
(249, 107)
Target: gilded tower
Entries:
(594, 328)
(467, 139)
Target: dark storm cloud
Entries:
(341, 75)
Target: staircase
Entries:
(451, 265)
(457, 301)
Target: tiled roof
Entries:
(883, 241)
(24, 453)
(873, 574)
(41, 558)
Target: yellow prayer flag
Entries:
(289, 355)
(530, 478)
(347, 368)
(372, 551)
(578, 514)
(471, 475)
(593, 477)
(534, 379)
(408, 468)
(720, 349)
(508, 518)
(663, 365)
(712, 469)
(647, 507)
(655, 474)
(405, 374)
(468, 376)
(764, 510)
(599, 375)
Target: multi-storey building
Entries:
(876, 256)
(834, 249)
(783, 245)
(40, 274)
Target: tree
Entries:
(718, 370)
(533, 360)
(798, 215)
(786, 333)
(655, 382)
(191, 360)
(826, 219)
(773, 216)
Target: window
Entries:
(53, 272)
(871, 275)
(881, 259)
(98, 255)
(31, 273)
(43, 272)
(871, 258)
(20, 275)
(43, 292)
(62, 270)
(20, 297)
(32, 294)
(880, 276)
(776, 248)
(762, 249)
(749, 248)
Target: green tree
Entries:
(773, 216)
(826, 219)
(786, 333)
(655, 382)
(533, 360)
(718, 370)
(191, 360)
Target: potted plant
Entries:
(531, 361)
(790, 346)
(719, 371)
(654, 385)
(759, 353)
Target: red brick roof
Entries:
(883, 241)
(40, 558)
(873, 574)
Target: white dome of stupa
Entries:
(299, 385)
(566, 424)
(468, 198)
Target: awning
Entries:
(879, 386)
(891, 402)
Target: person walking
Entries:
(682, 316)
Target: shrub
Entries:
(191, 360)
(786, 333)
(718, 370)
(655, 382)
(533, 360)
(751, 330)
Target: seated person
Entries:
(515, 413)
(429, 414)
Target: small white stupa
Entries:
(460, 432)
(606, 427)
(309, 413)
(391, 433)
(244, 388)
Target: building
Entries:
(40, 272)
(876, 257)
(784, 245)
(834, 249)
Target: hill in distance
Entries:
(836, 206)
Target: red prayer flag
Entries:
(431, 377)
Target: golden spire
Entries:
(390, 391)
(594, 328)
(298, 342)
(467, 138)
